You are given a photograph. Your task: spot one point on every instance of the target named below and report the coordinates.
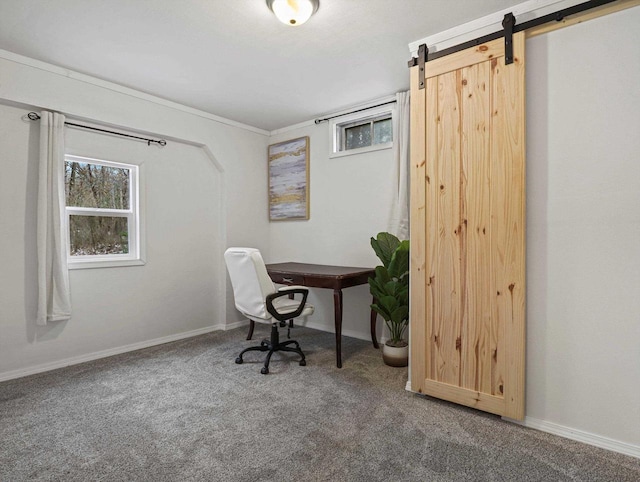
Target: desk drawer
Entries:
(288, 279)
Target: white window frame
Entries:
(133, 214)
(338, 125)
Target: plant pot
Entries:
(395, 356)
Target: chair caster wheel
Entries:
(263, 343)
(283, 324)
(303, 363)
(264, 370)
(239, 360)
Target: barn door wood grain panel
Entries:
(467, 229)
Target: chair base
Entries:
(252, 325)
(273, 346)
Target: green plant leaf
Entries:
(403, 296)
(377, 284)
(382, 275)
(375, 289)
(388, 303)
(384, 245)
(391, 288)
(399, 264)
(381, 312)
(400, 314)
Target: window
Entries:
(363, 132)
(354, 135)
(102, 207)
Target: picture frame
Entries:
(288, 163)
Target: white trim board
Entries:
(330, 329)
(45, 367)
(54, 69)
(316, 325)
(235, 324)
(490, 23)
(571, 433)
(580, 436)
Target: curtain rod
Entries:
(161, 142)
(318, 121)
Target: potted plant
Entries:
(390, 290)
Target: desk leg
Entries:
(252, 325)
(337, 306)
(374, 316)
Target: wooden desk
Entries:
(330, 277)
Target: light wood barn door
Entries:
(468, 229)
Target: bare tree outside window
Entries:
(96, 186)
(96, 193)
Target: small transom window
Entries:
(354, 135)
(369, 130)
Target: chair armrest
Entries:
(286, 316)
(292, 287)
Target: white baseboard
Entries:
(314, 325)
(580, 436)
(331, 329)
(45, 367)
(572, 434)
(235, 324)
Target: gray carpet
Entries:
(185, 411)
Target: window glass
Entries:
(102, 215)
(382, 131)
(96, 186)
(370, 131)
(358, 136)
(98, 235)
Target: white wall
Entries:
(350, 199)
(583, 227)
(200, 191)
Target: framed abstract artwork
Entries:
(289, 180)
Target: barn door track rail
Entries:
(509, 27)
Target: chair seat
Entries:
(285, 305)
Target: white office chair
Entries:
(257, 298)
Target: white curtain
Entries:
(399, 221)
(54, 300)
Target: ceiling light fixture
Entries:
(293, 12)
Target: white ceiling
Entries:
(233, 58)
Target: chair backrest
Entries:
(250, 280)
